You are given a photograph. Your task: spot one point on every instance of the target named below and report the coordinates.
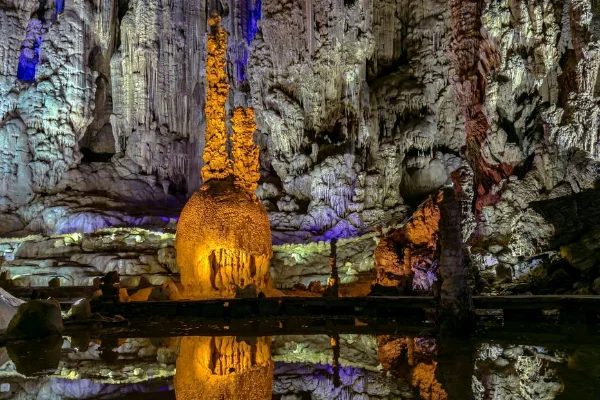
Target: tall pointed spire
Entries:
(217, 164)
(245, 152)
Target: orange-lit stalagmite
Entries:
(245, 152)
(223, 240)
(224, 368)
(217, 164)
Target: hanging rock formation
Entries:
(223, 237)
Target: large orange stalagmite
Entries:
(223, 237)
(223, 368)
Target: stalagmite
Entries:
(455, 302)
(217, 164)
(223, 237)
(245, 152)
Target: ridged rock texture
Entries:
(217, 163)
(363, 109)
(223, 239)
(245, 152)
(215, 368)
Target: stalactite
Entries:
(30, 51)
(217, 165)
(245, 152)
(308, 25)
(474, 56)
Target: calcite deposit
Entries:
(223, 240)
(363, 109)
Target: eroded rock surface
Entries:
(363, 109)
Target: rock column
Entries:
(455, 303)
(334, 279)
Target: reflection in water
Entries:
(316, 367)
(414, 358)
(224, 368)
(35, 357)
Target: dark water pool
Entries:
(379, 365)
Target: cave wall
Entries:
(363, 109)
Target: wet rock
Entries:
(383, 290)
(80, 310)
(315, 287)
(299, 286)
(54, 283)
(247, 292)
(36, 318)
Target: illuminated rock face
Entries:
(223, 368)
(223, 238)
(407, 257)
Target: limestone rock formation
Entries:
(217, 163)
(8, 308)
(223, 237)
(408, 257)
(36, 318)
(363, 109)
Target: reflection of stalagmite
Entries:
(224, 237)
(224, 368)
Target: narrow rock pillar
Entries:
(456, 309)
(334, 278)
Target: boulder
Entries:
(8, 308)
(142, 294)
(315, 287)
(36, 318)
(54, 283)
(168, 291)
(80, 310)
(504, 273)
